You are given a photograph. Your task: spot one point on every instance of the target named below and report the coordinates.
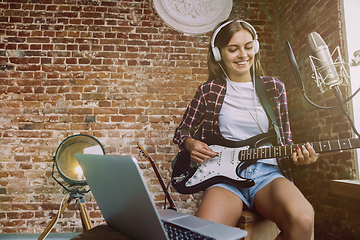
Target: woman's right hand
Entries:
(199, 151)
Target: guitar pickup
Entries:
(218, 158)
(232, 157)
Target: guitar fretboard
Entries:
(287, 150)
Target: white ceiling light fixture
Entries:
(193, 17)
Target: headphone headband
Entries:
(216, 51)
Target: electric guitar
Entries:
(232, 157)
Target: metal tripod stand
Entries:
(85, 219)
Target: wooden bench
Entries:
(257, 227)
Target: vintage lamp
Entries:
(70, 171)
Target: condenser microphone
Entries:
(323, 60)
(326, 73)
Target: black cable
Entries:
(167, 193)
(332, 107)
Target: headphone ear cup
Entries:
(256, 46)
(216, 53)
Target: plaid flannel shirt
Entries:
(206, 105)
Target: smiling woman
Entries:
(215, 63)
(227, 109)
(238, 56)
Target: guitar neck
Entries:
(161, 181)
(288, 150)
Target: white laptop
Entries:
(126, 204)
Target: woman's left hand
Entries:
(304, 155)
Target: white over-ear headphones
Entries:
(216, 51)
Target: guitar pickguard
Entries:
(224, 164)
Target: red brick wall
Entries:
(115, 71)
(110, 69)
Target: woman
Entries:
(227, 106)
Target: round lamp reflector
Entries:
(65, 160)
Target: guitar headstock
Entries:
(143, 151)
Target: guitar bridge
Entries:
(194, 165)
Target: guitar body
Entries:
(223, 168)
(198, 178)
(233, 157)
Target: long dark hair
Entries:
(221, 40)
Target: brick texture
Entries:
(109, 69)
(336, 216)
(114, 70)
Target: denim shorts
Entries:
(261, 173)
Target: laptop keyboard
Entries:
(175, 232)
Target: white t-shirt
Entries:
(239, 118)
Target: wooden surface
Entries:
(347, 188)
(102, 232)
(257, 226)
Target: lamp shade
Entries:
(65, 160)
